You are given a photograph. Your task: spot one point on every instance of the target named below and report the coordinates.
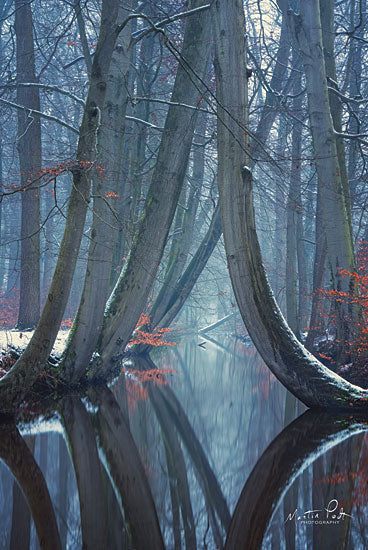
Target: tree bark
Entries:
(330, 165)
(29, 150)
(18, 380)
(297, 370)
(131, 292)
(84, 335)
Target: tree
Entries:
(299, 372)
(325, 119)
(14, 385)
(83, 339)
(135, 282)
(29, 150)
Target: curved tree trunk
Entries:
(25, 371)
(292, 364)
(176, 298)
(84, 334)
(132, 289)
(180, 293)
(184, 223)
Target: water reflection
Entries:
(291, 452)
(148, 464)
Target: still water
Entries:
(198, 458)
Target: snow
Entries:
(20, 340)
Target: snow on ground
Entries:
(20, 339)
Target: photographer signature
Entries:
(331, 512)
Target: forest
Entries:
(183, 181)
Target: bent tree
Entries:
(300, 372)
(131, 292)
(83, 336)
(25, 371)
(133, 287)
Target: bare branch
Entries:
(144, 122)
(141, 33)
(164, 102)
(346, 98)
(47, 87)
(33, 112)
(358, 137)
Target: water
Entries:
(211, 443)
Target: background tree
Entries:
(30, 160)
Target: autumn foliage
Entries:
(329, 305)
(9, 305)
(145, 337)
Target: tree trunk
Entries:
(181, 292)
(29, 150)
(84, 334)
(131, 292)
(320, 256)
(330, 164)
(2, 258)
(299, 371)
(181, 244)
(328, 40)
(19, 379)
(176, 297)
(294, 210)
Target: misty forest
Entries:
(183, 274)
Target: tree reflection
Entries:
(170, 497)
(126, 470)
(295, 448)
(82, 443)
(17, 456)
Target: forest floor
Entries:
(18, 339)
